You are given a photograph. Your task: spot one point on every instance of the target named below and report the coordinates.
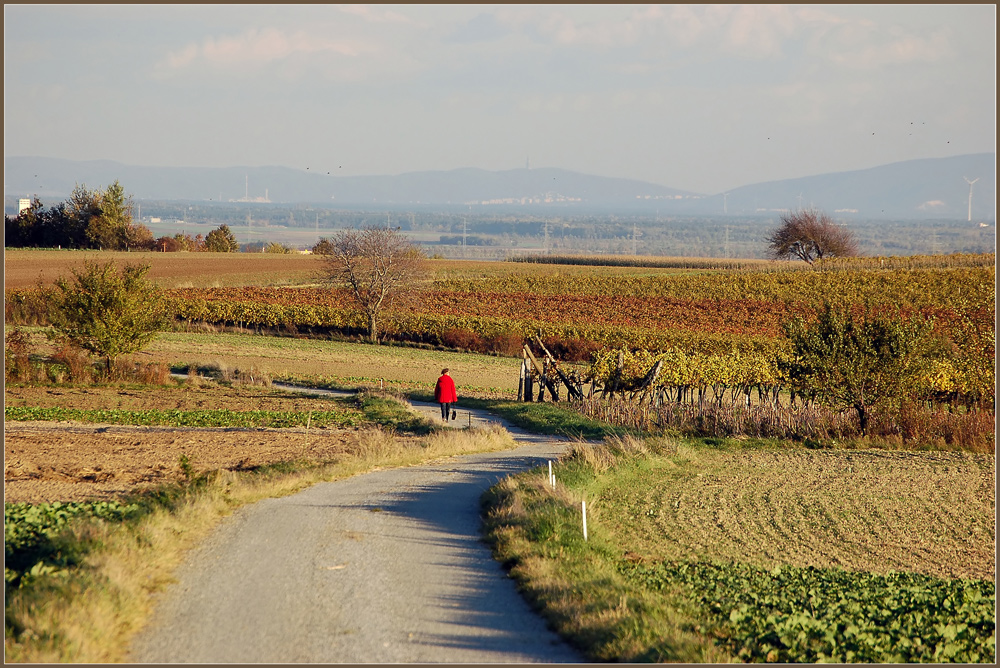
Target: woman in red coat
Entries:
(445, 394)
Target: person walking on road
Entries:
(445, 394)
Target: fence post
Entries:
(520, 381)
(584, 520)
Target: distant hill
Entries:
(57, 178)
(929, 188)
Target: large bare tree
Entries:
(810, 236)
(378, 266)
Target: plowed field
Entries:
(71, 461)
(45, 461)
(929, 512)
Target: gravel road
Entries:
(385, 567)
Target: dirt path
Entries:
(385, 567)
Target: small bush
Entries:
(508, 345)
(17, 352)
(76, 362)
(462, 339)
(571, 349)
(153, 373)
(27, 307)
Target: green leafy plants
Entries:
(32, 535)
(179, 418)
(791, 614)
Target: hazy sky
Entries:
(697, 97)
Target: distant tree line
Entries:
(98, 219)
(102, 220)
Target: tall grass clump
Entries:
(912, 426)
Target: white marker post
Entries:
(585, 520)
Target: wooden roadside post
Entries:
(520, 381)
(529, 386)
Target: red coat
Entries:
(444, 391)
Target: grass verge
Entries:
(575, 584)
(89, 589)
(557, 419)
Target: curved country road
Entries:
(384, 567)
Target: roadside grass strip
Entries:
(557, 419)
(576, 585)
(180, 418)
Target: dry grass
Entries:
(321, 362)
(603, 456)
(339, 363)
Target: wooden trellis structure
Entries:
(547, 376)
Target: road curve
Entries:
(385, 567)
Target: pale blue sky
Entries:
(697, 97)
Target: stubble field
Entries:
(866, 510)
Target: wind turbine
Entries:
(970, 194)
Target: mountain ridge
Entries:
(920, 188)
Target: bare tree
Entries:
(377, 265)
(811, 236)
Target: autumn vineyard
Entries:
(717, 333)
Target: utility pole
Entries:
(465, 232)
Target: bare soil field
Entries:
(25, 268)
(72, 461)
(46, 461)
